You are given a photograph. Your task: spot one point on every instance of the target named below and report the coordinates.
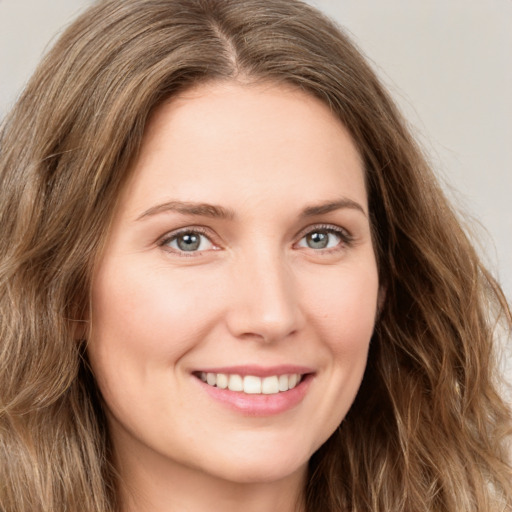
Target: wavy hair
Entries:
(428, 429)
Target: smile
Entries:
(251, 384)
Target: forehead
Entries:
(252, 139)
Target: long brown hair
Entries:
(428, 428)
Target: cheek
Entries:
(146, 312)
(143, 323)
(344, 309)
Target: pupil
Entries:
(188, 242)
(318, 240)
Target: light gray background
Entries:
(448, 63)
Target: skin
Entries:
(256, 292)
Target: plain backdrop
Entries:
(448, 64)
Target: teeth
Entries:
(222, 381)
(283, 382)
(251, 384)
(270, 385)
(236, 383)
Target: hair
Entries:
(428, 429)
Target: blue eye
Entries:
(323, 238)
(188, 241)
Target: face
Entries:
(233, 305)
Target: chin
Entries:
(262, 474)
(263, 466)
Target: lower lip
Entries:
(260, 405)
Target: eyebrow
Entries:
(189, 208)
(323, 208)
(220, 212)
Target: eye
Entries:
(187, 241)
(321, 238)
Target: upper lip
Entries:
(257, 371)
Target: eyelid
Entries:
(171, 235)
(346, 237)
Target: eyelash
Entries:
(170, 237)
(346, 239)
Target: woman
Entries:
(230, 280)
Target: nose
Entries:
(264, 302)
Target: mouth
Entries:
(256, 390)
(252, 384)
